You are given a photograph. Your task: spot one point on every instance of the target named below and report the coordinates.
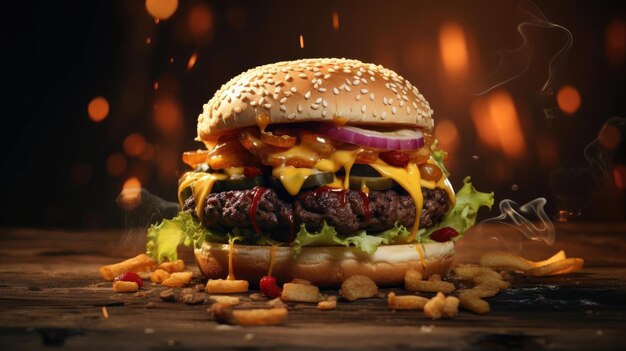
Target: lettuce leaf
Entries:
(439, 156)
(463, 215)
(328, 236)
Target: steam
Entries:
(529, 220)
(142, 209)
(514, 63)
(574, 187)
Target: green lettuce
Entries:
(328, 236)
(463, 215)
(439, 156)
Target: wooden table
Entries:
(51, 295)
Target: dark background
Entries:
(58, 56)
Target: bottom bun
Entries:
(327, 265)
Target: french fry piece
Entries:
(141, 262)
(178, 279)
(226, 286)
(174, 266)
(434, 278)
(266, 316)
(482, 291)
(487, 280)
(504, 260)
(412, 275)
(472, 302)
(358, 287)
(121, 286)
(451, 308)
(468, 272)
(556, 257)
(428, 286)
(567, 265)
(226, 300)
(407, 302)
(328, 304)
(300, 292)
(433, 309)
(159, 276)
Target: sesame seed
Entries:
(261, 101)
(293, 89)
(358, 97)
(335, 91)
(283, 100)
(372, 96)
(405, 98)
(401, 103)
(364, 81)
(363, 108)
(253, 103)
(287, 93)
(318, 101)
(283, 108)
(384, 100)
(268, 106)
(326, 76)
(302, 75)
(276, 90)
(363, 91)
(372, 78)
(315, 106)
(288, 77)
(387, 85)
(415, 104)
(237, 109)
(324, 113)
(307, 95)
(394, 90)
(318, 74)
(356, 82)
(383, 115)
(408, 110)
(324, 103)
(299, 108)
(291, 115)
(390, 101)
(348, 88)
(316, 86)
(393, 110)
(322, 90)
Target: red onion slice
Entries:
(401, 139)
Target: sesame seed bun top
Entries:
(315, 90)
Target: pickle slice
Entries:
(372, 183)
(237, 184)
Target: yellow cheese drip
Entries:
(231, 249)
(339, 159)
(201, 185)
(262, 120)
(292, 178)
(420, 251)
(409, 179)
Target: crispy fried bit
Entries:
(433, 309)
(300, 292)
(159, 276)
(168, 295)
(276, 303)
(141, 262)
(470, 300)
(227, 300)
(489, 281)
(194, 298)
(258, 297)
(222, 313)
(451, 308)
(408, 302)
(468, 272)
(178, 279)
(226, 286)
(301, 281)
(121, 286)
(504, 260)
(428, 286)
(564, 266)
(358, 287)
(174, 266)
(266, 316)
(329, 304)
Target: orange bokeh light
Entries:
(131, 193)
(610, 137)
(568, 99)
(200, 21)
(453, 49)
(497, 123)
(168, 117)
(619, 176)
(335, 21)
(116, 164)
(98, 109)
(615, 42)
(161, 9)
(134, 144)
(192, 61)
(447, 134)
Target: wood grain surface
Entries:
(51, 296)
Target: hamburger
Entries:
(317, 169)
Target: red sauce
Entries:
(255, 202)
(366, 206)
(325, 189)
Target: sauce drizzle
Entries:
(258, 193)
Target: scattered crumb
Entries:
(599, 332)
(249, 336)
(150, 305)
(168, 295)
(149, 331)
(258, 297)
(427, 328)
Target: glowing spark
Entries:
(453, 48)
(155, 85)
(301, 42)
(171, 60)
(192, 61)
(98, 109)
(105, 314)
(335, 21)
(161, 9)
(568, 99)
(148, 40)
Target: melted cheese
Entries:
(442, 183)
(420, 252)
(409, 180)
(262, 120)
(201, 185)
(231, 249)
(292, 178)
